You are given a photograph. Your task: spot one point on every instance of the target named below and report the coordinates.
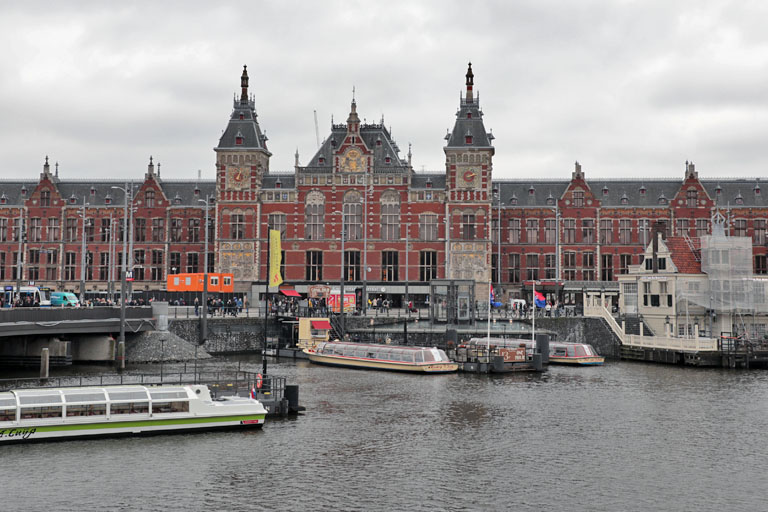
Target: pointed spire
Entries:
(158, 169)
(57, 170)
(150, 169)
(470, 83)
(296, 159)
(409, 154)
(244, 86)
(46, 167)
(353, 121)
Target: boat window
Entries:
(85, 397)
(87, 410)
(125, 394)
(40, 412)
(559, 351)
(580, 350)
(129, 408)
(360, 353)
(25, 399)
(7, 400)
(159, 407)
(419, 356)
(429, 356)
(8, 414)
(443, 355)
(590, 350)
(168, 394)
(570, 350)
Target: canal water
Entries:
(625, 436)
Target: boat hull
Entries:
(367, 364)
(25, 433)
(577, 361)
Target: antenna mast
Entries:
(317, 131)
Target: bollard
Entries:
(542, 345)
(44, 364)
(121, 356)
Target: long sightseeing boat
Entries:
(381, 357)
(578, 354)
(77, 412)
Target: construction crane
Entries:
(317, 131)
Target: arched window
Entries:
(390, 215)
(315, 216)
(149, 198)
(353, 215)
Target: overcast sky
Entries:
(630, 89)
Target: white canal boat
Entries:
(78, 412)
(381, 357)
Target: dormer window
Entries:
(378, 141)
(550, 201)
(429, 183)
(3, 199)
(197, 192)
(108, 199)
(388, 160)
(624, 199)
(468, 139)
(739, 199)
(642, 190)
(757, 190)
(531, 191)
(321, 160)
(605, 190)
(72, 199)
(177, 199)
(93, 190)
(23, 190)
(238, 141)
(662, 199)
(333, 143)
(513, 200)
(718, 190)
(242, 117)
(469, 115)
(278, 184)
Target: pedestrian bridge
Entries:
(15, 322)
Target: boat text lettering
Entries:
(24, 433)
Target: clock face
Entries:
(236, 178)
(353, 161)
(469, 178)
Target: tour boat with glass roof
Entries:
(381, 357)
(76, 412)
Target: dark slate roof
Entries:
(183, 192)
(11, 190)
(520, 190)
(750, 190)
(376, 138)
(247, 128)
(419, 180)
(466, 125)
(637, 192)
(286, 181)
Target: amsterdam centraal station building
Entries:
(358, 210)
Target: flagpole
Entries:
(266, 306)
(488, 341)
(533, 320)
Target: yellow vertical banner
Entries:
(275, 258)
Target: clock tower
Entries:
(468, 168)
(242, 160)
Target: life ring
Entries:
(259, 381)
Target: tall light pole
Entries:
(20, 254)
(82, 256)
(123, 295)
(204, 317)
(407, 298)
(343, 272)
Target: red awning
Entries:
(321, 324)
(290, 293)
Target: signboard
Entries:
(129, 275)
(349, 302)
(512, 355)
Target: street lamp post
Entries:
(82, 256)
(20, 254)
(204, 317)
(343, 274)
(124, 263)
